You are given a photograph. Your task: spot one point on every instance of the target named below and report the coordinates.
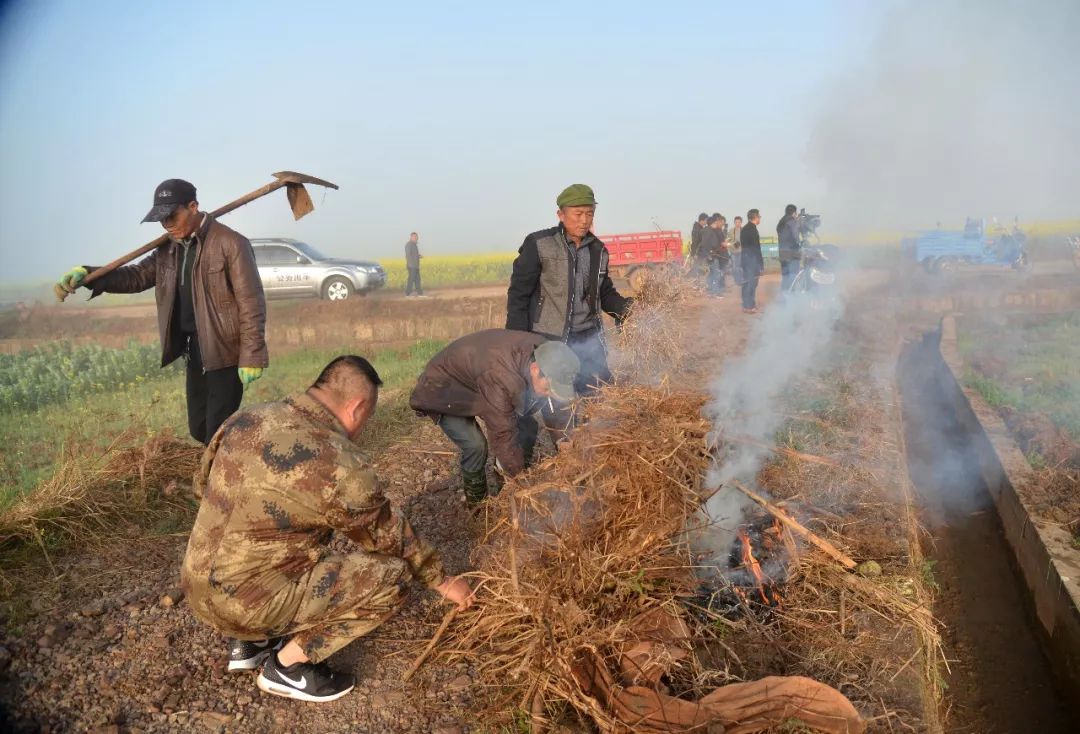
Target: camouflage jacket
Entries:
(279, 479)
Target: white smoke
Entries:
(789, 340)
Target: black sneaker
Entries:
(249, 655)
(304, 681)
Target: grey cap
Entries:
(560, 365)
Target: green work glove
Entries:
(72, 279)
(248, 375)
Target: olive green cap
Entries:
(560, 365)
(576, 195)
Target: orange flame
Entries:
(765, 586)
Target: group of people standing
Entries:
(279, 480)
(716, 251)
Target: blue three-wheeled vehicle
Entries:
(942, 251)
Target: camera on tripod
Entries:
(808, 224)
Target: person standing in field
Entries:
(712, 247)
(753, 265)
(560, 286)
(412, 264)
(735, 236)
(210, 304)
(790, 249)
(735, 249)
(279, 482)
(695, 240)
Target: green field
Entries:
(89, 409)
(1029, 366)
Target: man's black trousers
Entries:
(212, 396)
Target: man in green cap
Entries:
(560, 286)
(503, 378)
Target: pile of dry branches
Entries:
(588, 544)
(91, 488)
(583, 545)
(585, 571)
(651, 340)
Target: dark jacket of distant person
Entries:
(412, 255)
(226, 290)
(712, 244)
(752, 261)
(540, 296)
(787, 237)
(695, 239)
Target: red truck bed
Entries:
(639, 248)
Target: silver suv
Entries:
(289, 268)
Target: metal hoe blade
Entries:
(302, 178)
(299, 200)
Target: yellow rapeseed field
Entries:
(441, 271)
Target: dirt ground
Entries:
(105, 650)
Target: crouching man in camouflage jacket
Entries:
(278, 481)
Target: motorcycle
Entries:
(817, 263)
(817, 274)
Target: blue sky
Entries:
(460, 121)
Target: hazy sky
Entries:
(460, 121)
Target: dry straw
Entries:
(651, 341)
(582, 546)
(91, 489)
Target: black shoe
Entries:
(304, 681)
(248, 655)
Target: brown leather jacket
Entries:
(230, 310)
(483, 375)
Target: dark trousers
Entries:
(749, 290)
(413, 282)
(590, 350)
(466, 434)
(788, 270)
(212, 396)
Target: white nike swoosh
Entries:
(301, 683)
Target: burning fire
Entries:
(765, 587)
(746, 576)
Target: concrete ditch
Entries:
(1050, 565)
(1007, 592)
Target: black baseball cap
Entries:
(168, 196)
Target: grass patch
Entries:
(1030, 367)
(926, 572)
(990, 390)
